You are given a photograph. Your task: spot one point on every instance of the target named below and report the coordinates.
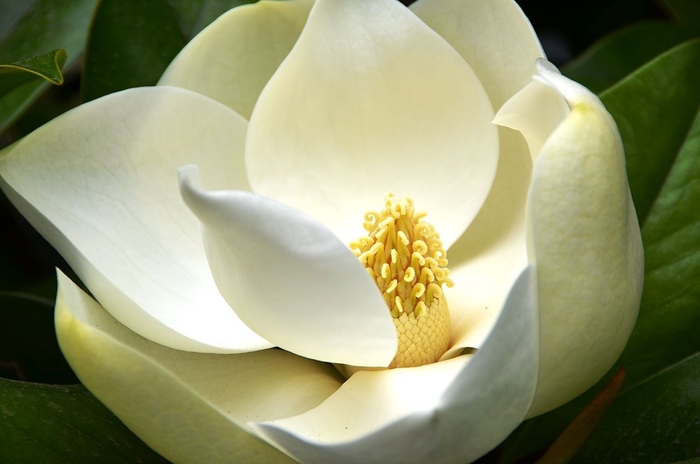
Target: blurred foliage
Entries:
(59, 424)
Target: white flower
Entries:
(544, 245)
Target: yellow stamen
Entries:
(405, 257)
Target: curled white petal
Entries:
(290, 279)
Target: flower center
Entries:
(405, 257)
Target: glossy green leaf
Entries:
(59, 424)
(658, 112)
(46, 65)
(43, 25)
(132, 42)
(658, 421)
(655, 110)
(617, 55)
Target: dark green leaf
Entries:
(11, 11)
(47, 66)
(60, 424)
(690, 461)
(28, 347)
(131, 43)
(657, 110)
(44, 25)
(14, 102)
(686, 11)
(617, 55)
(654, 110)
(195, 15)
(567, 445)
(658, 421)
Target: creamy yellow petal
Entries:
(290, 279)
(371, 100)
(451, 411)
(535, 111)
(493, 36)
(490, 255)
(587, 246)
(234, 57)
(189, 407)
(100, 184)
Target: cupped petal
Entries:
(100, 184)
(451, 411)
(535, 111)
(189, 407)
(370, 100)
(587, 245)
(234, 57)
(490, 255)
(493, 36)
(290, 279)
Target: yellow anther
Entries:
(405, 257)
(386, 270)
(420, 247)
(417, 259)
(410, 275)
(394, 256)
(398, 304)
(426, 275)
(418, 291)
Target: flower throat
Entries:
(404, 256)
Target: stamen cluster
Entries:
(404, 256)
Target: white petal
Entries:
(493, 36)
(451, 411)
(535, 111)
(233, 58)
(490, 255)
(290, 279)
(100, 184)
(587, 245)
(370, 100)
(189, 407)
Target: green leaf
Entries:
(195, 15)
(658, 421)
(47, 66)
(59, 424)
(11, 11)
(28, 347)
(617, 55)
(686, 11)
(43, 25)
(665, 109)
(132, 42)
(575, 435)
(657, 110)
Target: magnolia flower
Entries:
(211, 218)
